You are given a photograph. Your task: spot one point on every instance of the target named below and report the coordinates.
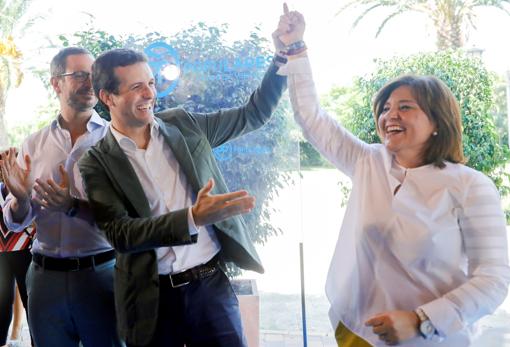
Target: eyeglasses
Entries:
(80, 76)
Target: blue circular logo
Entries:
(223, 152)
(164, 62)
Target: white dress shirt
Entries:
(167, 189)
(438, 243)
(58, 235)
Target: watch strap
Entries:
(425, 328)
(73, 210)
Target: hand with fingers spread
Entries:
(291, 28)
(17, 180)
(53, 196)
(209, 209)
(395, 326)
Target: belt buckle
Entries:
(177, 285)
(77, 268)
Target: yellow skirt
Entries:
(346, 338)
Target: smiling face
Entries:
(404, 128)
(132, 106)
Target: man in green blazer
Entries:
(157, 193)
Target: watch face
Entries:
(427, 329)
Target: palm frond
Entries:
(497, 4)
(364, 13)
(387, 19)
(369, 3)
(354, 3)
(11, 12)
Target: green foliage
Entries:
(96, 41)
(11, 11)
(339, 100)
(500, 109)
(258, 162)
(309, 157)
(473, 87)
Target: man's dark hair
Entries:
(58, 63)
(103, 75)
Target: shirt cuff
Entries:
(300, 65)
(9, 222)
(445, 318)
(192, 228)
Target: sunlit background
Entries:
(338, 53)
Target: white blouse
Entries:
(439, 243)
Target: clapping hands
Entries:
(49, 194)
(17, 180)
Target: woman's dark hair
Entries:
(437, 101)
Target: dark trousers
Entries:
(203, 313)
(13, 269)
(72, 308)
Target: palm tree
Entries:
(10, 56)
(450, 17)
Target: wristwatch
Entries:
(426, 328)
(73, 210)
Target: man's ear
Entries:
(106, 98)
(54, 83)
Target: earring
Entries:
(434, 133)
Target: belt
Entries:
(195, 273)
(72, 264)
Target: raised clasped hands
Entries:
(209, 208)
(291, 28)
(394, 327)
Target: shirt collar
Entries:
(95, 121)
(129, 145)
(390, 162)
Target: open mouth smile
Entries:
(393, 129)
(144, 107)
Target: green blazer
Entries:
(122, 211)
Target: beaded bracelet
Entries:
(294, 48)
(296, 51)
(295, 45)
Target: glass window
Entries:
(210, 55)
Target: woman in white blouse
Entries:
(422, 251)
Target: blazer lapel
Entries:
(124, 174)
(176, 141)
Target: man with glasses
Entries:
(70, 284)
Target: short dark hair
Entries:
(439, 104)
(103, 74)
(58, 63)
